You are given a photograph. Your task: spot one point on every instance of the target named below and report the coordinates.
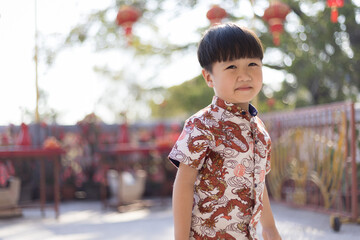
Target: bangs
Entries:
(235, 46)
(226, 43)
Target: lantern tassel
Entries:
(334, 14)
(276, 38)
(128, 31)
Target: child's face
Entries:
(237, 81)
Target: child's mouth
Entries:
(245, 88)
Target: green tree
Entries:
(321, 56)
(184, 99)
(318, 58)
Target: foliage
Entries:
(100, 30)
(321, 55)
(184, 99)
(317, 57)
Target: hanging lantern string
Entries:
(334, 5)
(125, 18)
(275, 15)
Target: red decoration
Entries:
(334, 5)
(271, 102)
(100, 174)
(24, 138)
(4, 140)
(159, 130)
(216, 14)
(124, 134)
(51, 143)
(126, 17)
(275, 15)
(4, 174)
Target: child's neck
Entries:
(243, 106)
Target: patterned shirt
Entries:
(230, 148)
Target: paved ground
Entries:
(88, 221)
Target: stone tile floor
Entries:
(83, 220)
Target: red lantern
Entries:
(126, 17)
(275, 15)
(334, 4)
(24, 138)
(216, 14)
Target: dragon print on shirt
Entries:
(231, 151)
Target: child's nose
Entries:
(243, 75)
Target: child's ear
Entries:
(208, 78)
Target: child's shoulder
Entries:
(202, 114)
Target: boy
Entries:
(223, 152)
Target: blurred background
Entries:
(87, 64)
(110, 83)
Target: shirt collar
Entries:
(236, 110)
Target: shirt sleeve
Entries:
(192, 145)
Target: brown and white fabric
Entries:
(230, 148)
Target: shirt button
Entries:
(255, 185)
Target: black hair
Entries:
(227, 42)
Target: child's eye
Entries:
(231, 67)
(253, 64)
